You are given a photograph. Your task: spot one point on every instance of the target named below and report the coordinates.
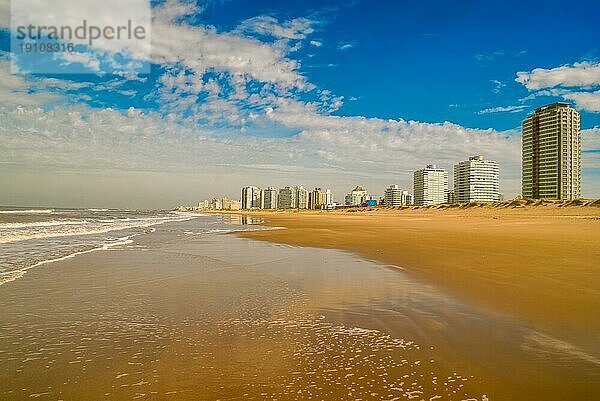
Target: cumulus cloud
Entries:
(202, 49)
(584, 75)
(589, 101)
(571, 82)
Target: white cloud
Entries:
(498, 85)
(584, 75)
(89, 60)
(589, 101)
(345, 46)
(202, 49)
(111, 13)
(297, 28)
(503, 109)
(571, 82)
(316, 43)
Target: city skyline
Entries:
(276, 93)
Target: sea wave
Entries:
(51, 223)
(104, 226)
(12, 275)
(28, 211)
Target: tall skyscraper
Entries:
(476, 180)
(551, 153)
(269, 198)
(430, 186)
(250, 197)
(287, 198)
(392, 196)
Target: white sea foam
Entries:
(43, 224)
(15, 274)
(29, 211)
(101, 227)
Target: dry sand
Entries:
(541, 264)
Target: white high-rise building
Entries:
(406, 198)
(552, 153)
(356, 197)
(328, 198)
(302, 197)
(269, 198)
(287, 198)
(392, 196)
(430, 186)
(476, 180)
(250, 197)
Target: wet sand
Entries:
(540, 264)
(186, 314)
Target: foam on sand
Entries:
(7, 277)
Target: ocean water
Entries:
(33, 236)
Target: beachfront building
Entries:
(430, 186)
(286, 199)
(451, 198)
(406, 198)
(476, 180)
(230, 204)
(356, 197)
(269, 198)
(215, 204)
(392, 196)
(328, 199)
(202, 205)
(250, 197)
(551, 151)
(316, 199)
(302, 197)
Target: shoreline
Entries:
(534, 263)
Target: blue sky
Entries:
(324, 93)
